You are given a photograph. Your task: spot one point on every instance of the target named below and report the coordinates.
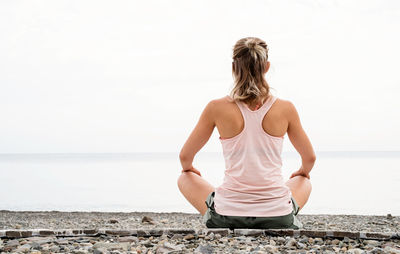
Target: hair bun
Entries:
(251, 44)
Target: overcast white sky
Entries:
(134, 76)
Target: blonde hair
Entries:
(250, 56)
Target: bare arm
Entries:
(198, 138)
(301, 142)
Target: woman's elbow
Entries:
(310, 159)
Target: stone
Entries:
(54, 248)
(191, 236)
(113, 221)
(335, 241)
(24, 248)
(291, 242)
(147, 219)
(100, 251)
(391, 250)
(171, 246)
(204, 249)
(112, 246)
(248, 232)
(165, 221)
(128, 239)
(355, 251)
(271, 248)
(161, 250)
(12, 243)
(371, 242)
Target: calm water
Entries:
(343, 182)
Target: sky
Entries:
(134, 76)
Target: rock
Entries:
(204, 249)
(12, 243)
(35, 245)
(112, 246)
(100, 251)
(165, 221)
(280, 240)
(271, 248)
(80, 251)
(355, 251)
(113, 221)
(54, 248)
(371, 242)
(17, 226)
(391, 250)
(172, 246)
(147, 219)
(301, 245)
(191, 236)
(318, 240)
(24, 248)
(128, 239)
(177, 237)
(210, 236)
(62, 241)
(161, 250)
(272, 242)
(335, 241)
(389, 216)
(291, 242)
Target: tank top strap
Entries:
(260, 112)
(242, 108)
(267, 105)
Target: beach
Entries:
(149, 232)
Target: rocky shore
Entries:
(145, 232)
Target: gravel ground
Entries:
(190, 243)
(90, 220)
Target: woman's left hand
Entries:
(192, 169)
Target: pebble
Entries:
(190, 237)
(113, 221)
(147, 219)
(204, 249)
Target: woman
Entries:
(251, 123)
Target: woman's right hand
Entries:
(300, 172)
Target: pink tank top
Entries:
(253, 184)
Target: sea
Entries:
(345, 182)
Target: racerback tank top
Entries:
(253, 184)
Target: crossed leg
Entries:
(196, 189)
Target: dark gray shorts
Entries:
(214, 220)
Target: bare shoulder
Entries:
(285, 105)
(223, 100)
(286, 108)
(217, 105)
(221, 103)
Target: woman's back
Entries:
(229, 120)
(252, 143)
